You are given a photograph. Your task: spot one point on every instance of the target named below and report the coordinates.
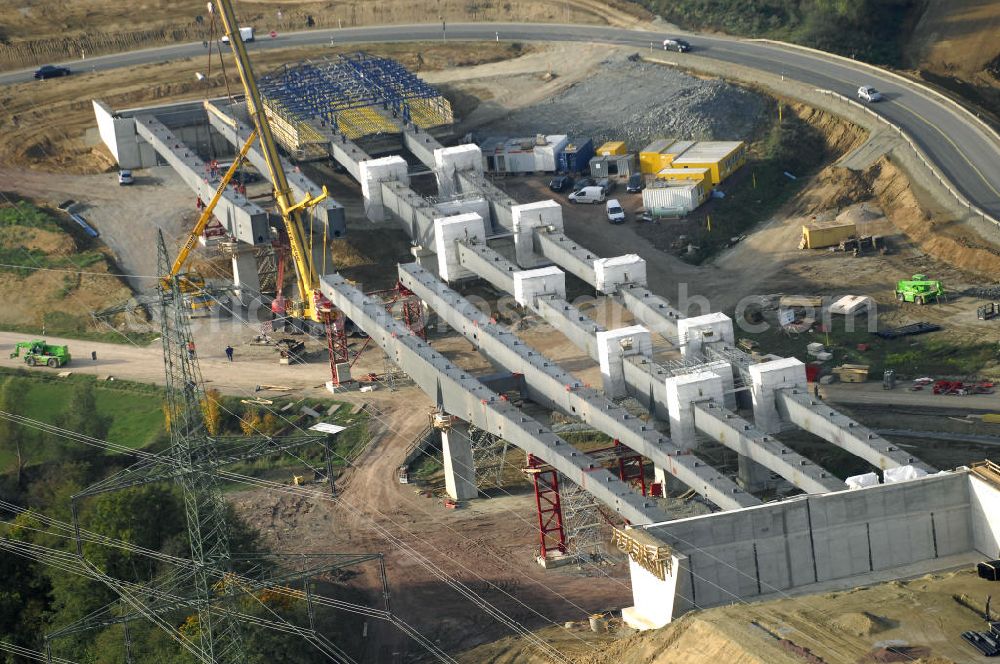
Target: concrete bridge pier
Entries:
(246, 277)
(459, 465)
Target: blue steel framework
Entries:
(356, 80)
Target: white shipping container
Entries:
(683, 198)
(520, 162)
(545, 155)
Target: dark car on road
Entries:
(561, 183)
(51, 71)
(678, 45)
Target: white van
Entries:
(616, 215)
(246, 35)
(588, 195)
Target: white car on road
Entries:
(869, 94)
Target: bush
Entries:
(867, 29)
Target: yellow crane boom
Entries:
(311, 304)
(206, 214)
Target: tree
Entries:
(24, 591)
(11, 434)
(251, 421)
(82, 416)
(145, 516)
(212, 412)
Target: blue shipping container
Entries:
(576, 157)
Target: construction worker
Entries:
(229, 353)
(190, 347)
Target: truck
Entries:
(38, 352)
(919, 289)
(246, 35)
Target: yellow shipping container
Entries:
(612, 148)
(654, 157)
(817, 234)
(695, 174)
(721, 158)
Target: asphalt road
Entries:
(967, 155)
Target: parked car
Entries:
(125, 177)
(561, 183)
(592, 194)
(616, 215)
(51, 71)
(635, 183)
(869, 94)
(678, 45)
(582, 183)
(607, 184)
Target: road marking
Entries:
(907, 109)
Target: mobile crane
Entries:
(310, 304)
(192, 284)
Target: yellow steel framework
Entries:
(310, 303)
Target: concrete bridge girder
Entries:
(737, 434)
(328, 215)
(795, 405)
(554, 388)
(458, 393)
(243, 219)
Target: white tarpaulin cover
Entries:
(851, 304)
(903, 473)
(861, 481)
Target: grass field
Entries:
(133, 410)
(935, 354)
(59, 273)
(135, 414)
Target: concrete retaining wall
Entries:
(755, 551)
(985, 515)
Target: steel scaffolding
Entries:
(354, 94)
(489, 454)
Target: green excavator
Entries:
(38, 352)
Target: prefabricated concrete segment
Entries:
(424, 146)
(528, 217)
(816, 417)
(326, 216)
(241, 218)
(796, 543)
(551, 386)
(646, 382)
(449, 235)
(458, 393)
(614, 348)
(652, 310)
(563, 316)
(484, 262)
(413, 212)
(728, 428)
(567, 254)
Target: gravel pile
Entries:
(638, 102)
